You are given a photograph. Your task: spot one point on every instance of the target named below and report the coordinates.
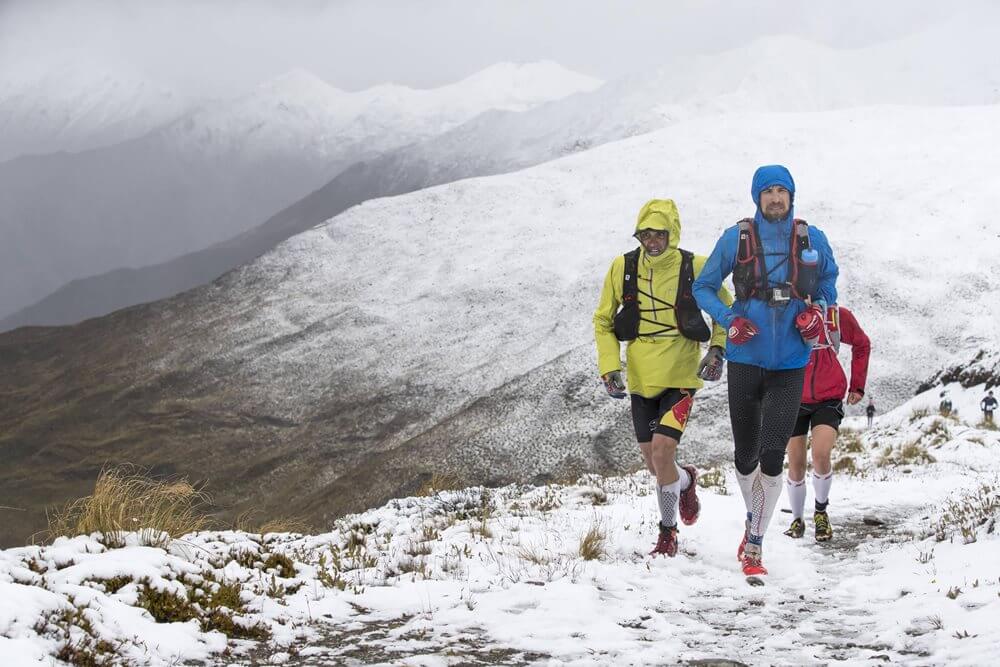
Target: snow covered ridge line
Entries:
(984, 369)
(523, 574)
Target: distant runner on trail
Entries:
(870, 411)
(988, 405)
(647, 303)
(945, 406)
(785, 275)
(821, 411)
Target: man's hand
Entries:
(741, 330)
(710, 367)
(810, 322)
(854, 397)
(614, 384)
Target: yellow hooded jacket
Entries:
(665, 360)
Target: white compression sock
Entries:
(764, 498)
(746, 486)
(797, 496)
(683, 477)
(821, 485)
(667, 497)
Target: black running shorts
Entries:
(666, 414)
(812, 415)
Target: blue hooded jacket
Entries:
(778, 346)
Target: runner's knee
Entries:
(771, 462)
(746, 465)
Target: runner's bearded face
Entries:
(654, 241)
(775, 202)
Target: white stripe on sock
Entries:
(766, 491)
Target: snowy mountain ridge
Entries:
(79, 106)
(298, 111)
(219, 171)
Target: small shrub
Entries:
(975, 509)
(845, 464)
(938, 431)
(914, 453)
(164, 606)
(226, 595)
(953, 592)
(918, 413)
(219, 620)
(419, 549)
(714, 479)
(87, 650)
(282, 563)
(114, 584)
(849, 441)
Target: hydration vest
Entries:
(690, 323)
(750, 275)
(832, 326)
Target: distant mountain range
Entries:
(775, 74)
(78, 106)
(219, 170)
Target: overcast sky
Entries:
(223, 47)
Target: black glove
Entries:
(614, 384)
(710, 367)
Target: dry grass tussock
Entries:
(593, 544)
(126, 500)
(440, 482)
(245, 523)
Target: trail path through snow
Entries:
(866, 597)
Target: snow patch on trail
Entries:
(497, 574)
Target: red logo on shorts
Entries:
(682, 409)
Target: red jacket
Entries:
(825, 379)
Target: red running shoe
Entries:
(689, 505)
(667, 543)
(752, 561)
(743, 542)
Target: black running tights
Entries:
(763, 406)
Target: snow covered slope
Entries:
(78, 106)
(450, 329)
(502, 576)
(220, 170)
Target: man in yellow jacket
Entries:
(647, 302)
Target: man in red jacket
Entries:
(821, 410)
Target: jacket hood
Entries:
(768, 175)
(661, 214)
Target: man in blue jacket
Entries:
(785, 275)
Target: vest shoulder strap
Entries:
(630, 282)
